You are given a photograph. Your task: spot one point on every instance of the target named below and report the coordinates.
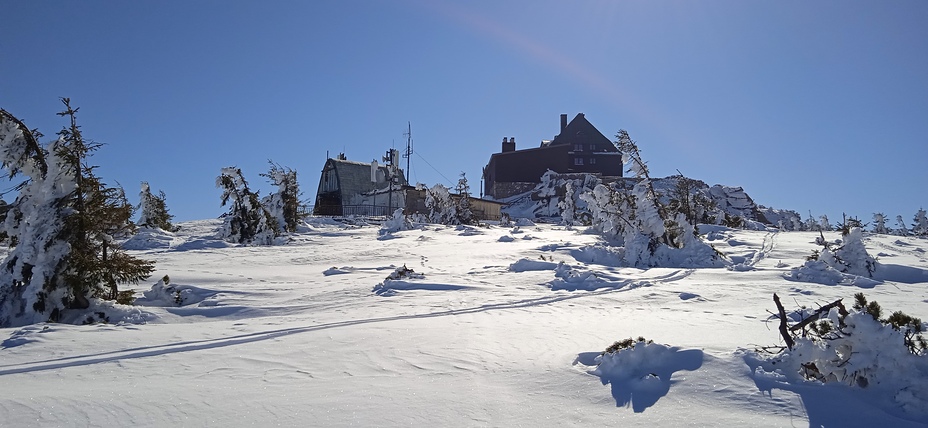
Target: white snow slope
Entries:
(496, 332)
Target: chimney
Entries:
(509, 146)
(563, 122)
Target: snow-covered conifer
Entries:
(879, 224)
(651, 236)
(610, 210)
(247, 221)
(465, 215)
(824, 224)
(153, 210)
(442, 208)
(567, 206)
(64, 226)
(920, 226)
(284, 205)
(902, 228)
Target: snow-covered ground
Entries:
(502, 328)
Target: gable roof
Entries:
(580, 131)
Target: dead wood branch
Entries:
(784, 329)
(818, 314)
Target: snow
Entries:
(486, 332)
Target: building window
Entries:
(578, 161)
(578, 147)
(592, 147)
(330, 183)
(592, 161)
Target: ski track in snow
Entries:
(158, 350)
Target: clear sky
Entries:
(819, 106)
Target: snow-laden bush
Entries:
(851, 257)
(817, 271)
(165, 293)
(395, 223)
(396, 280)
(858, 349)
(640, 371)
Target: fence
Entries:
(353, 210)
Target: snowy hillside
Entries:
(496, 326)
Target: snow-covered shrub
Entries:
(395, 223)
(625, 344)
(851, 257)
(165, 293)
(396, 280)
(858, 349)
(404, 272)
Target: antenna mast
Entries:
(408, 153)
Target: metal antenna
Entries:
(408, 153)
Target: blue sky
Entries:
(819, 106)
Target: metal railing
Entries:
(352, 210)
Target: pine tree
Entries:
(154, 210)
(284, 205)
(247, 221)
(63, 225)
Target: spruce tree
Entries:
(154, 210)
(464, 213)
(247, 221)
(920, 225)
(879, 224)
(285, 204)
(64, 227)
(901, 223)
(442, 208)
